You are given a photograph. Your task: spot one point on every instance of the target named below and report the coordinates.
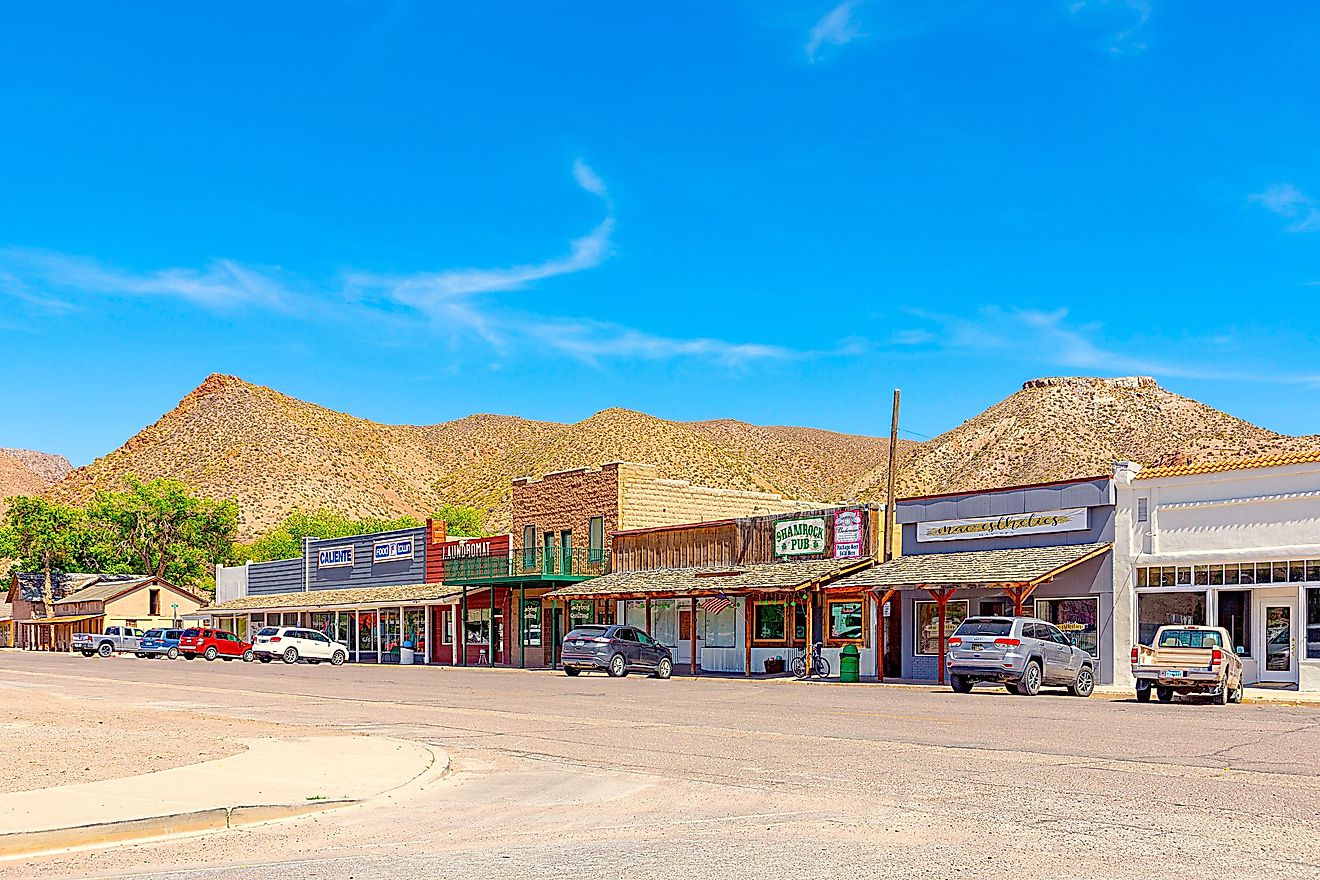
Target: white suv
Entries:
(293, 643)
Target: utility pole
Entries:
(888, 552)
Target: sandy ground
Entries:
(57, 739)
(633, 777)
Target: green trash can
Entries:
(850, 663)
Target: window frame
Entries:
(770, 643)
(948, 630)
(833, 641)
(1040, 613)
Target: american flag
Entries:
(716, 604)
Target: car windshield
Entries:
(152, 634)
(191, 633)
(587, 632)
(1189, 638)
(977, 626)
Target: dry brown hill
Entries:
(231, 439)
(24, 472)
(49, 467)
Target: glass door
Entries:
(1280, 658)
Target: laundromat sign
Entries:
(1040, 523)
(799, 537)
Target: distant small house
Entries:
(6, 625)
(83, 602)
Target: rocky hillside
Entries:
(50, 468)
(24, 472)
(271, 452)
(231, 439)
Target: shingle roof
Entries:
(103, 589)
(337, 598)
(1191, 468)
(711, 581)
(1019, 565)
(32, 584)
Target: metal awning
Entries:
(996, 569)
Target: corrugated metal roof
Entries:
(336, 598)
(1018, 565)
(1192, 468)
(710, 581)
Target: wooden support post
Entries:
(941, 597)
(810, 633)
(462, 624)
(1019, 593)
(880, 627)
(554, 634)
(522, 612)
(649, 630)
(692, 633)
(747, 634)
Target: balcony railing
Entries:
(531, 562)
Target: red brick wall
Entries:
(567, 500)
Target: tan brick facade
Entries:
(628, 496)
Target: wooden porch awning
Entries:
(303, 600)
(781, 577)
(995, 569)
(56, 621)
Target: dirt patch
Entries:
(53, 740)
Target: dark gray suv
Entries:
(1022, 653)
(615, 649)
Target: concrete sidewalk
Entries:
(275, 778)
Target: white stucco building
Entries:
(1233, 544)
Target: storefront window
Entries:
(532, 623)
(634, 613)
(928, 624)
(1078, 618)
(1313, 624)
(390, 635)
(1235, 616)
(845, 620)
(768, 622)
(663, 619)
(1155, 610)
(720, 630)
(477, 628)
(581, 612)
(414, 629)
(343, 630)
(447, 627)
(366, 631)
(324, 622)
(799, 623)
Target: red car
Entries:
(212, 643)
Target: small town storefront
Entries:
(1234, 544)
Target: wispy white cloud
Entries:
(1289, 202)
(836, 28)
(1135, 15)
(592, 341)
(1050, 339)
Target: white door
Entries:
(1278, 657)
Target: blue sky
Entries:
(416, 211)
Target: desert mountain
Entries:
(24, 472)
(271, 452)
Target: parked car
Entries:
(1021, 653)
(293, 643)
(213, 643)
(115, 640)
(160, 643)
(1188, 660)
(616, 650)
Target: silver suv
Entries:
(1022, 653)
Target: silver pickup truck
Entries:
(114, 640)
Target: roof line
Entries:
(1044, 485)
(1078, 561)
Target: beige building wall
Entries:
(647, 501)
(136, 606)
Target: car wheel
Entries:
(105, 649)
(89, 653)
(1221, 698)
(1084, 686)
(337, 658)
(264, 658)
(1165, 694)
(1143, 692)
(618, 666)
(1031, 679)
(572, 671)
(1013, 689)
(664, 668)
(290, 655)
(211, 653)
(961, 684)
(247, 656)
(1236, 695)
(172, 654)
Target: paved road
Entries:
(724, 779)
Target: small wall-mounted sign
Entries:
(391, 551)
(800, 537)
(335, 557)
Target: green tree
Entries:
(285, 540)
(45, 536)
(160, 528)
(461, 521)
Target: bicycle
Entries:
(819, 665)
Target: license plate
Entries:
(1175, 673)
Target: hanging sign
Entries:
(847, 534)
(800, 537)
(390, 551)
(1040, 523)
(335, 557)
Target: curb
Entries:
(48, 841)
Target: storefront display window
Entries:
(477, 628)
(1155, 610)
(663, 619)
(768, 622)
(581, 612)
(447, 627)
(634, 613)
(720, 630)
(343, 630)
(532, 623)
(390, 635)
(1078, 618)
(414, 629)
(799, 623)
(367, 622)
(324, 622)
(1234, 612)
(1313, 624)
(845, 619)
(928, 624)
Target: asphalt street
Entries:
(727, 778)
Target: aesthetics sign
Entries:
(800, 537)
(1039, 523)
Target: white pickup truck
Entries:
(1188, 660)
(114, 640)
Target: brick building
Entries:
(581, 508)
